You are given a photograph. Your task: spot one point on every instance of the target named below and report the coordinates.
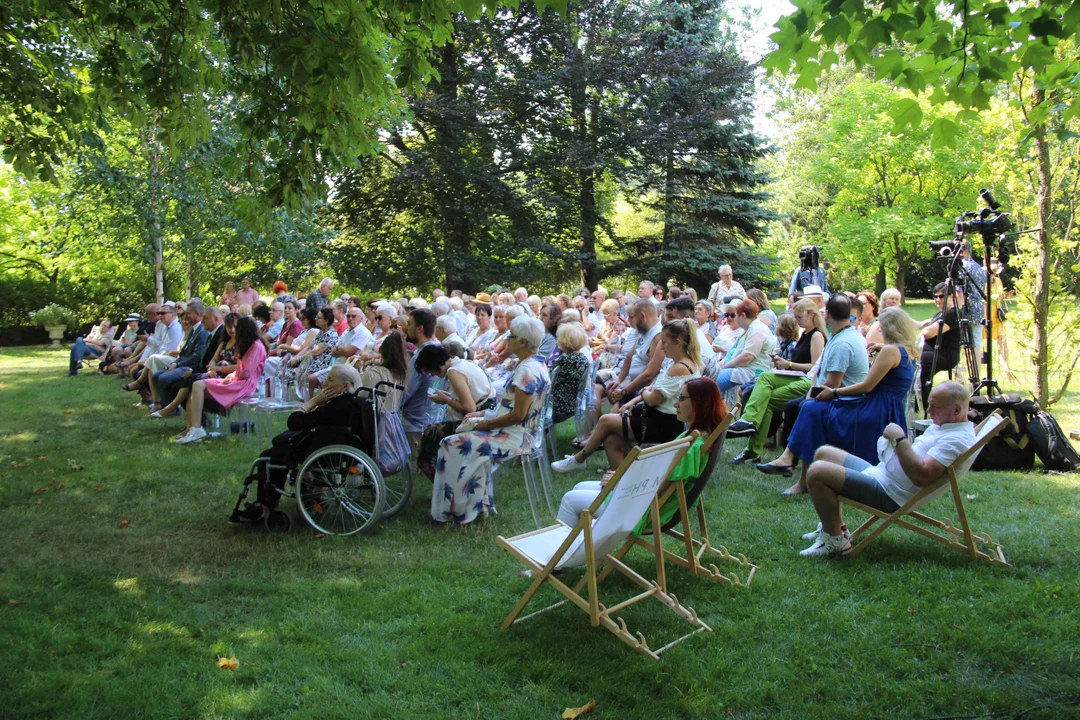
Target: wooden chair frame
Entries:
(599, 614)
(696, 547)
(963, 538)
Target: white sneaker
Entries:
(828, 545)
(195, 434)
(815, 534)
(568, 464)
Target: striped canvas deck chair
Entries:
(680, 526)
(979, 547)
(632, 491)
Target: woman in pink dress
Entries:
(227, 391)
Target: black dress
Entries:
(947, 346)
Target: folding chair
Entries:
(696, 547)
(968, 541)
(631, 490)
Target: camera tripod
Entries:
(958, 273)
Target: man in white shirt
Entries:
(446, 330)
(905, 468)
(351, 343)
(167, 334)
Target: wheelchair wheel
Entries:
(398, 491)
(340, 490)
(277, 521)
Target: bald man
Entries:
(905, 468)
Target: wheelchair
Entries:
(332, 474)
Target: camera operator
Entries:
(946, 344)
(975, 304)
(808, 273)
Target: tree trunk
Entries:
(586, 172)
(587, 198)
(154, 211)
(1043, 260)
(880, 281)
(899, 278)
(189, 272)
(456, 224)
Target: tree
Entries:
(961, 51)
(883, 195)
(319, 78)
(693, 155)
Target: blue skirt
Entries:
(853, 424)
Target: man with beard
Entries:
(643, 359)
(416, 408)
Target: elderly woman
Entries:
(651, 416)
(280, 362)
(727, 328)
(332, 406)
(462, 491)
(483, 333)
(469, 391)
(319, 351)
(726, 287)
(568, 372)
(890, 297)
(703, 316)
(218, 395)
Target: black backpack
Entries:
(1052, 444)
(1012, 448)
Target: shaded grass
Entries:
(404, 622)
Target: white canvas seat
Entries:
(963, 539)
(589, 543)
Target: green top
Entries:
(689, 468)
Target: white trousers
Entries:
(578, 499)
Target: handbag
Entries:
(640, 413)
(392, 450)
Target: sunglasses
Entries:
(939, 297)
(356, 315)
(730, 315)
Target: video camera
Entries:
(988, 222)
(809, 256)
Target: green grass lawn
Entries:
(130, 585)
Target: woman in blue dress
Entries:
(852, 418)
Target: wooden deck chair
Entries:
(632, 490)
(959, 538)
(696, 547)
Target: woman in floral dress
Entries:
(462, 490)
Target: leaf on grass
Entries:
(228, 663)
(42, 458)
(61, 486)
(572, 713)
(97, 488)
(911, 610)
(75, 467)
(125, 524)
(37, 502)
(971, 496)
(19, 464)
(38, 491)
(319, 535)
(68, 412)
(13, 603)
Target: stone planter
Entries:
(56, 334)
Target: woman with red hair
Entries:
(701, 407)
(280, 288)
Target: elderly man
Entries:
(645, 292)
(749, 356)
(521, 295)
(206, 332)
(95, 343)
(340, 323)
(319, 298)
(351, 344)
(446, 330)
(277, 322)
(725, 287)
(905, 467)
(191, 351)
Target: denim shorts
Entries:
(863, 488)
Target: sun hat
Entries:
(812, 291)
(483, 298)
(133, 317)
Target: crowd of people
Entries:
(827, 378)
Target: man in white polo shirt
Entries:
(905, 467)
(350, 344)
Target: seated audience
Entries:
(682, 308)
(700, 407)
(416, 407)
(750, 355)
(703, 315)
(470, 390)
(166, 385)
(446, 330)
(280, 361)
(655, 420)
(462, 490)
(118, 359)
(160, 349)
(317, 354)
(220, 363)
(643, 356)
(350, 345)
(550, 316)
(867, 320)
(569, 371)
(94, 344)
(189, 356)
(902, 468)
(843, 362)
(340, 307)
(773, 391)
(765, 311)
(727, 328)
(483, 333)
(122, 346)
(218, 395)
(890, 297)
(392, 366)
